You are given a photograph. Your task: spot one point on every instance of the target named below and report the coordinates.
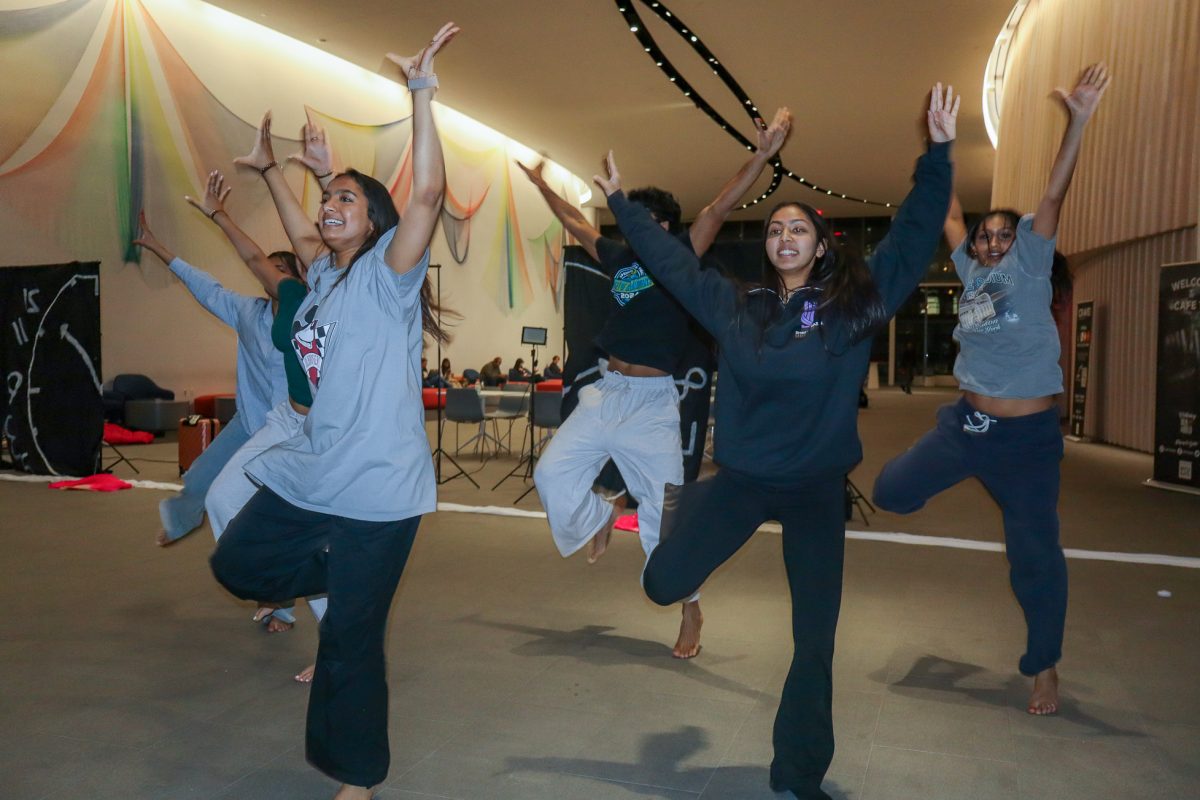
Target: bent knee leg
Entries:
(893, 492)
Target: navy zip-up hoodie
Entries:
(787, 408)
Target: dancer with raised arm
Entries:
(340, 501)
(260, 379)
(793, 353)
(1004, 430)
(631, 414)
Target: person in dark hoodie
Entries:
(793, 353)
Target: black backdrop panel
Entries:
(50, 356)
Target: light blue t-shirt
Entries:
(1008, 342)
(363, 452)
(261, 382)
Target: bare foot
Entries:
(305, 675)
(274, 624)
(162, 540)
(688, 644)
(599, 542)
(1044, 699)
(348, 792)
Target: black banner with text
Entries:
(1084, 328)
(1176, 435)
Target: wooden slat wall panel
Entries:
(1140, 167)
(1123, 282)
(1135, 201)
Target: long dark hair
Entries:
(848, 291)
(1061, 281)
(382, 214)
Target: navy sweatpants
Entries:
(706, 522)
(273, 551)
(1017, 461)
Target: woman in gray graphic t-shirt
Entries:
(340, 501)
(1005, 429)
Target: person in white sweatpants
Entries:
(631, 415)
(634, 421)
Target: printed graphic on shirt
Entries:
(310, 342)
(985, 303)
(629, 282)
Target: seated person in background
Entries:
(490, 374)
(431, 379)
(553, 370)
(448, 374)
(518, 373)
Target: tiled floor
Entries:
(126, 672)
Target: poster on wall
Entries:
(51, 410)
(1085, 319)
(1177, 404)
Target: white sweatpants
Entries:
(233, 488)
(634, 421)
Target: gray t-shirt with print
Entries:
(1008, 342)
(363, 452)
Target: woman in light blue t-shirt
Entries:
(340, 501)
(1005, 429)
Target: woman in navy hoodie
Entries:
(794, 349)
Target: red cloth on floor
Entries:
(94, 483)
(626, 522)
(115, 434)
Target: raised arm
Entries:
(1081, 103)
(148, 240)
(315, 152)
(213, 206)
(900, 260)
(301, 232)
(429, 168)
(570, 216)
(219, 301)
(955, 226)
(704, 293)
(704, 229)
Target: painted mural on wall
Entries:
(134, 105)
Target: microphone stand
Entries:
(439, 453)
(529, 459)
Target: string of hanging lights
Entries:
(778, 170)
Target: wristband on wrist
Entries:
(263, 171)
(423, 82)
(323, 177)
(213, 214)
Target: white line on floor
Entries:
(893, 537)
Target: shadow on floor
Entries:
(582, 643)
(939, 674)
(667, 751)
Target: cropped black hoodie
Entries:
(787, 404)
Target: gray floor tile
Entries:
(896, 774)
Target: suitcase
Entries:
(196, 433)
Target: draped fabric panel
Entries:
(121, 120)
